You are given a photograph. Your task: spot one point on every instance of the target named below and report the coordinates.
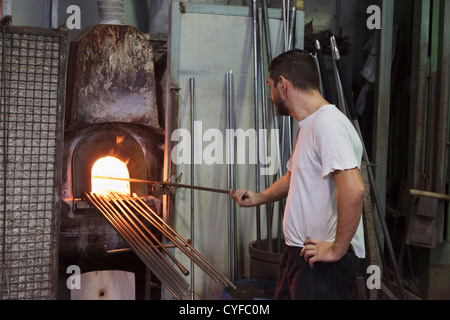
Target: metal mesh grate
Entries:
(32, 61)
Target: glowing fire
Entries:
(110, 167)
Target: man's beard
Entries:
(281, 108)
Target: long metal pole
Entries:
(323, 73)
(232, 262)
(269, 206)
(145, 243)
(337, 76)
(285, 26)
(150, 261)
(169, 184)
(256, 114)
(271, 106)
(116, 198)
(186, 244)
(167, 232)
(274, 119)
(292, 20)
(192, 94)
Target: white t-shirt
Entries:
(327, 141)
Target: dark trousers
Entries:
(326, 281)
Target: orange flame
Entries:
(110, 167)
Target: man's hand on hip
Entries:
(315, 250)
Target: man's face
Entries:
(277, 100)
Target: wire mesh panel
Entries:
(32, 64)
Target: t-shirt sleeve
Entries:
(337, 153)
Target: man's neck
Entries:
(306, 103)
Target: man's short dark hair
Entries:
(297, 66)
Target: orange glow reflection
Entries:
(110, 167)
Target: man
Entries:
(322, 222)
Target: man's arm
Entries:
(277, 191)
(350, 196)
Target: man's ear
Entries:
(284, 84)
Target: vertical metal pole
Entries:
(285, 26)
(292, 19)
(232, 263)
(337, 56)
(256, 112)
(271, 106)
(46, 13)
(6, 8)
(291, 24)
(55, 16)
(324, 73)
(316, 60)
(269, 206)
(192, 95)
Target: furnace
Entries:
(111, 129)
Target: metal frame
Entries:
(24, 284)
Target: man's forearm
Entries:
(349, 207)
(277, 191)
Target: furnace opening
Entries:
(110, 167)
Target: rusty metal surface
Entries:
(32, 84)
(111, 77)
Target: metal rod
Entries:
(169, 235)
(340, 93)
(168, 232)
(269, 206)
(114, 196)
(291, 45)
(285, 27)
(164, 267)
(269, 59)
(170, 184)
(148, 246)
(292, 20)
(232, 262)
(174, 235)
(256, 115)
(192, 95)
(152, 263)
(324, 73)
(322, 92)
(267, 30)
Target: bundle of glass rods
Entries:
(127, 215)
